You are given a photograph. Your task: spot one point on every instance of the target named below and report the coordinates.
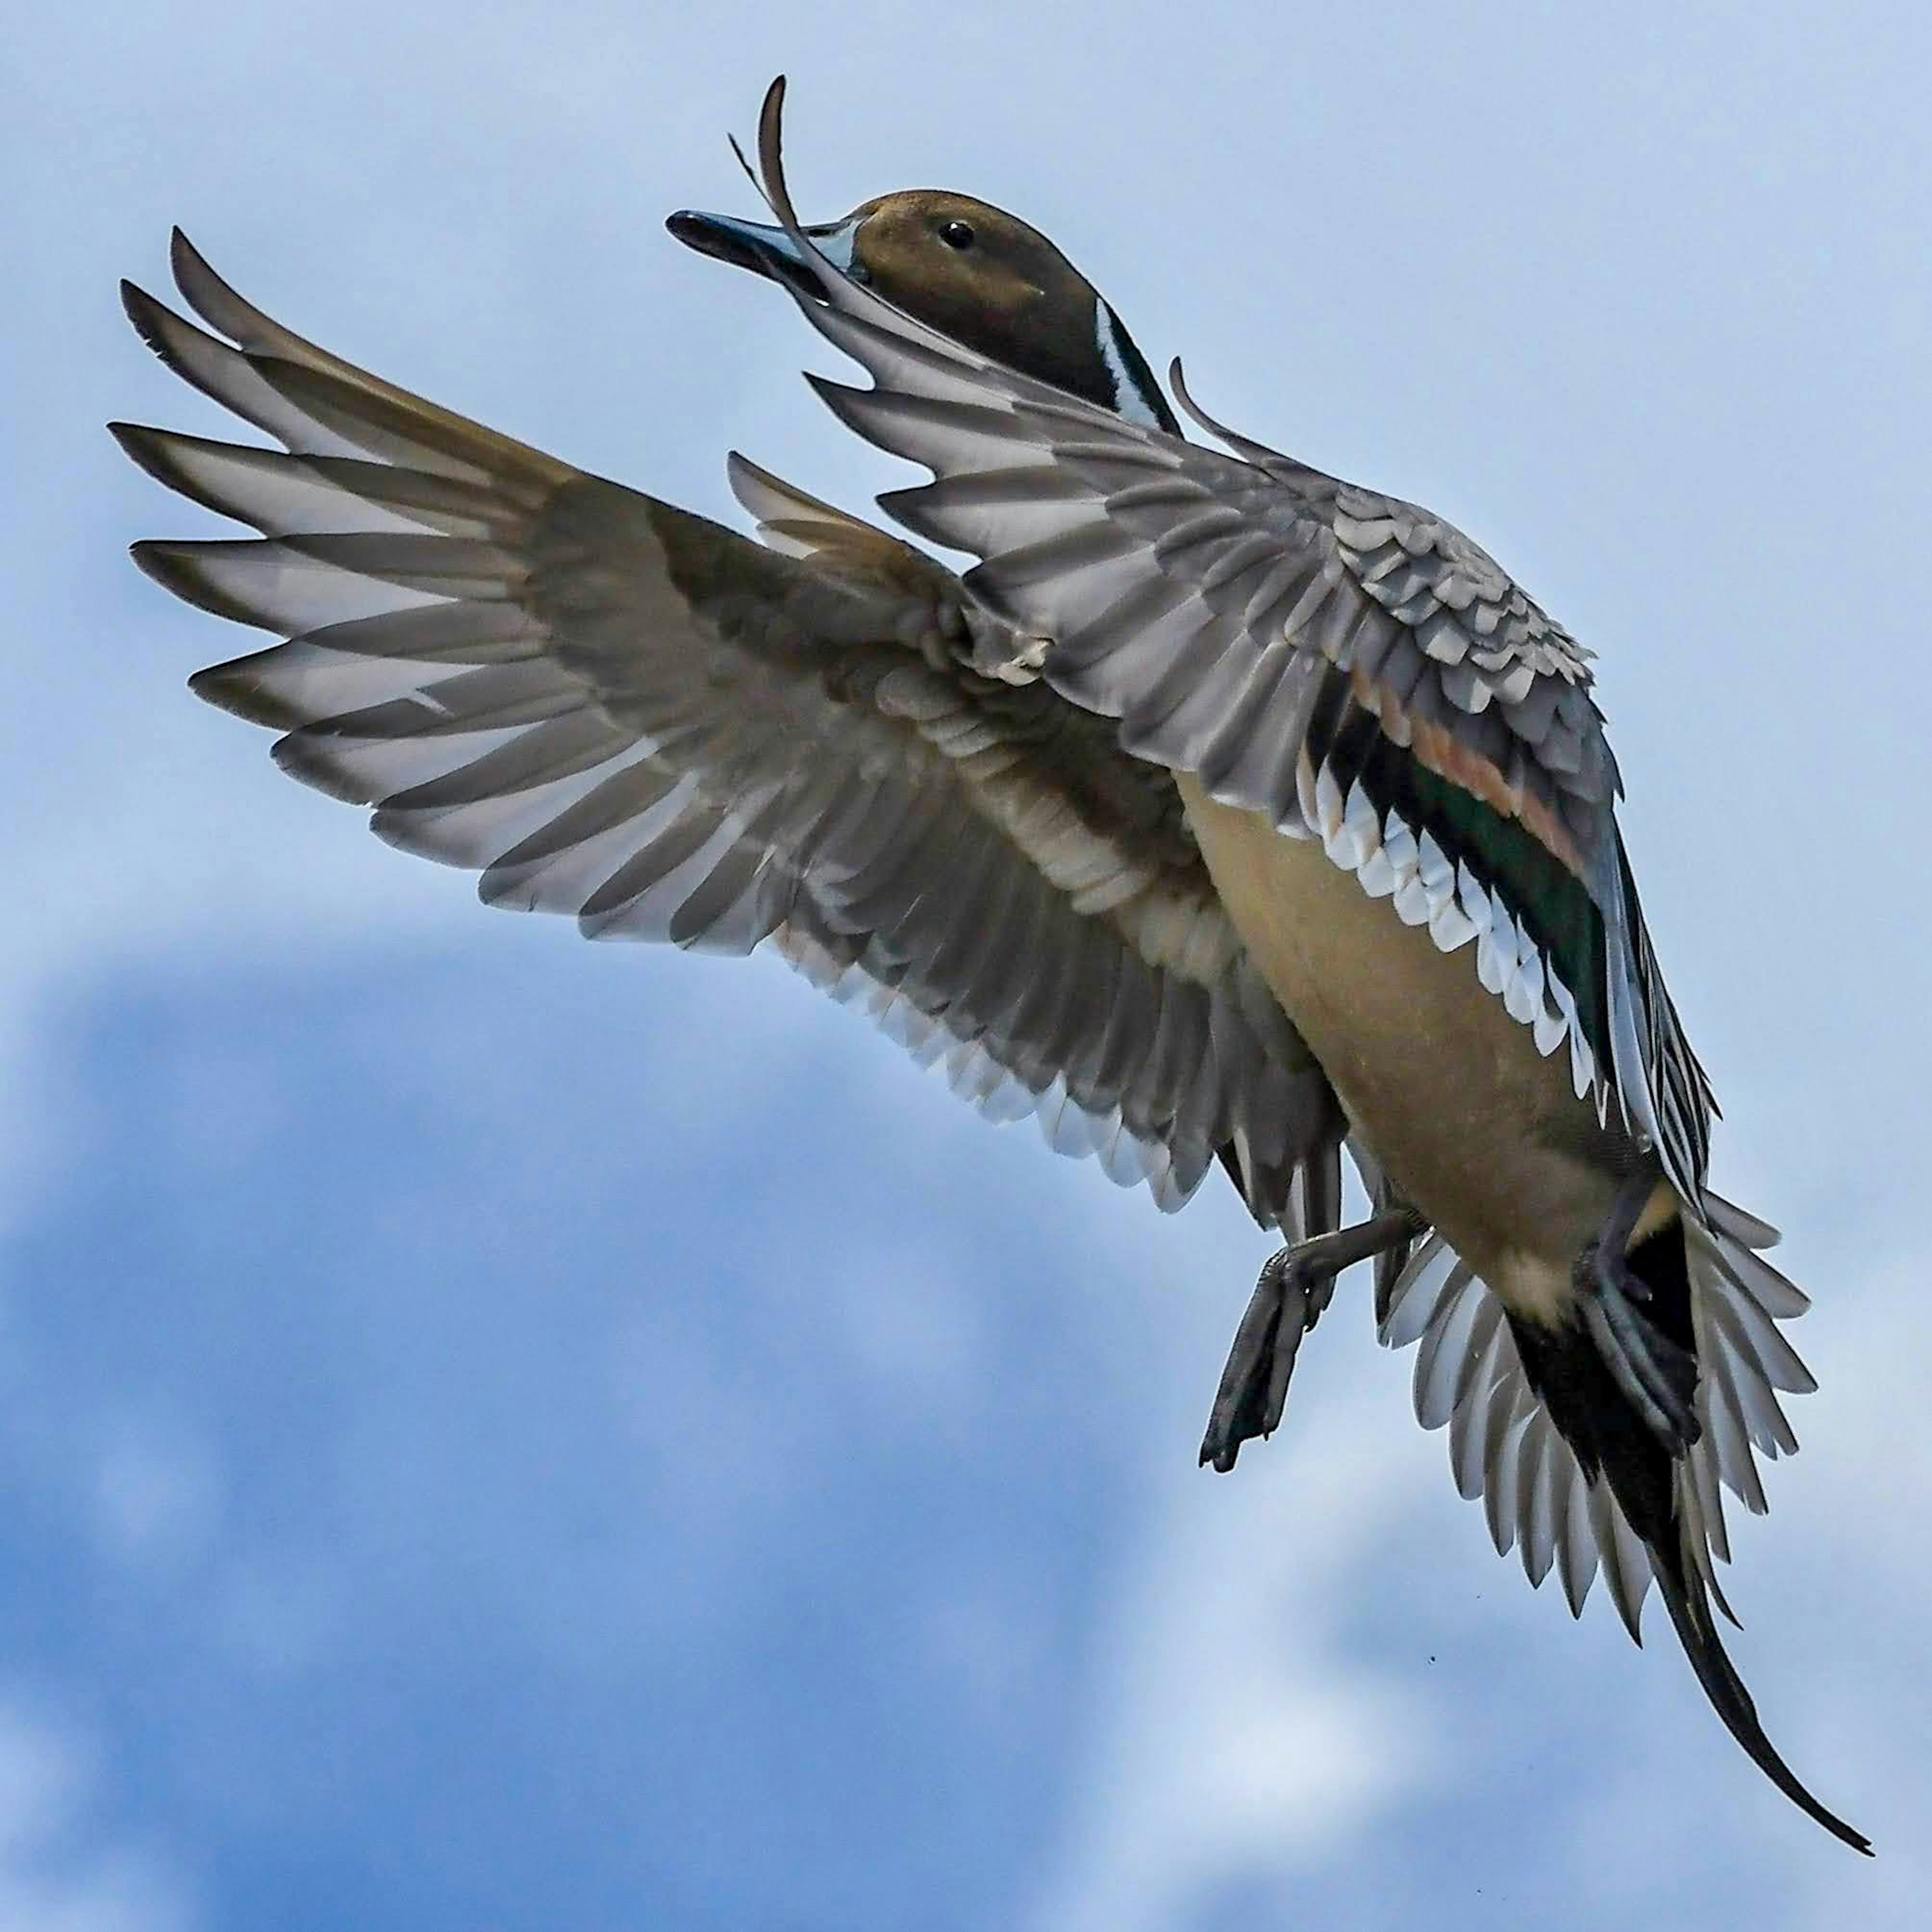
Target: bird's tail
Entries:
(1688, 1595)
(1658, 1492)
(1569, 1472)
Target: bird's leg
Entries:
(1295, 1284)
(1659, 1377)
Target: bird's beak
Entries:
(769, 251)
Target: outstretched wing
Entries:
(1346, 663)
(617, 710)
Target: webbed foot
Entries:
(1295, 1286)
(1657, 1374)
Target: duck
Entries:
(999, 832)
(1396, 773)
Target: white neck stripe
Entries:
(1128, 400)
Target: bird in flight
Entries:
(1225, 814)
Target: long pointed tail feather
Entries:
(1687, 1596)
(1568, 1472)
(1659, 1495)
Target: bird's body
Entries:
(1447, 1091)
(1224, 810)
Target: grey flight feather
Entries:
(616, 710)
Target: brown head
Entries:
(976, 274)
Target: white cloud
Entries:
(58, 1872)
(1234, 1733)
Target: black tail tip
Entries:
(1686, 1598)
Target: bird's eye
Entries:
(956, 234)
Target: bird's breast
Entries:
(1482, 1132)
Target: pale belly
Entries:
(1485, 1135)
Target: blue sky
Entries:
(498, 1431)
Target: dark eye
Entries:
(956, 234)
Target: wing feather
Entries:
(613, 709)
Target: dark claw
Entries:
(1253, 1389)
(1659, 1377)
(1592, 1263)
(1296, 1285)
